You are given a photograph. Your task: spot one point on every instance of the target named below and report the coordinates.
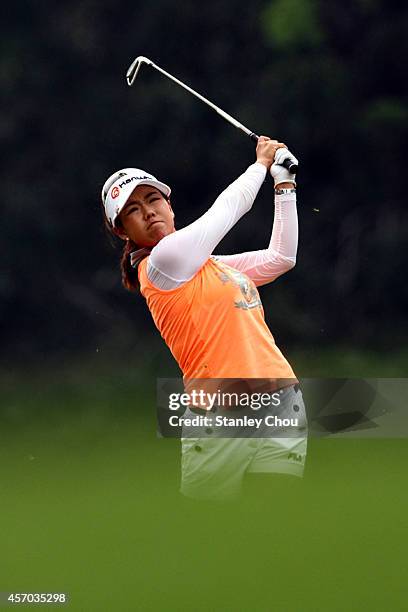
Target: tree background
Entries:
(327, 78)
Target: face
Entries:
(146, 218)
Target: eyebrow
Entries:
(151, 193)
(148, 195)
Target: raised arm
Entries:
(265, 265)
(179, 256)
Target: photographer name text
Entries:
(224, 421)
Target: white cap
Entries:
(118, 188)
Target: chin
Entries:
(161, 233)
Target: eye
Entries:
(132, 209)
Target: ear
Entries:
(120, 232)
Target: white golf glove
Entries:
(278, 172)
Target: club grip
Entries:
(289, 165)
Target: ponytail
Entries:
(129, 266)
(130, 278)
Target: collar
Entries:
(137, 256)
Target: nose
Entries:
(148, 212)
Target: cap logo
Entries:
(134, 178)
(115, 192)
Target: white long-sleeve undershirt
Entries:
(179, 256)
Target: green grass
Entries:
(90, 506)
(98, 516)
(350, 363)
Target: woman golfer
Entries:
(208, 310)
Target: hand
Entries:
(266, 150)
(279, 173)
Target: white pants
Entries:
(213, 467)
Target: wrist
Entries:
(286, 185)
(285, 192)
(264, 162)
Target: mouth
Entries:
(153, 223)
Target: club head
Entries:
(135, 67)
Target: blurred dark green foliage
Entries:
(327, 78)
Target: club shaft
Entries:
(131, 76)
(218, 110)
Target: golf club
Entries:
(132, 74)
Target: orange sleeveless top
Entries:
(214, 325)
